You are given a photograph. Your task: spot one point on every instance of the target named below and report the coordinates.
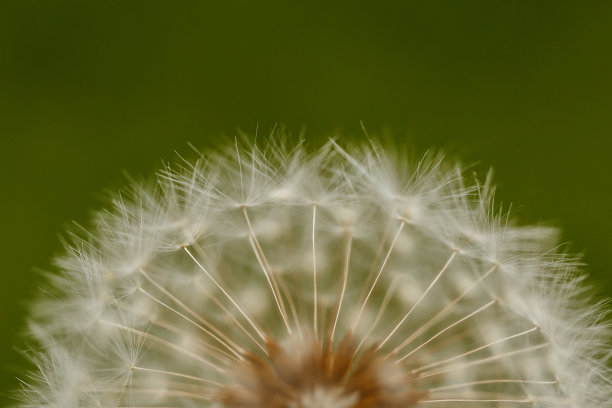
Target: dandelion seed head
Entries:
(283, 277)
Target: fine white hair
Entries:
(187, 275)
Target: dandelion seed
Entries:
(277, 278)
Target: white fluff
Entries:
(183, 275)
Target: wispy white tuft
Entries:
(189, 277)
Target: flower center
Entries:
(318, 375)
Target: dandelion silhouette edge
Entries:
(280, 277)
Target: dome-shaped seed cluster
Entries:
(283, 278)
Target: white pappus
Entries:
(285, 277)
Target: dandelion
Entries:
(277, 277)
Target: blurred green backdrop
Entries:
(89, 89)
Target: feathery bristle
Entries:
(278, 277)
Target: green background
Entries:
(89, 89)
